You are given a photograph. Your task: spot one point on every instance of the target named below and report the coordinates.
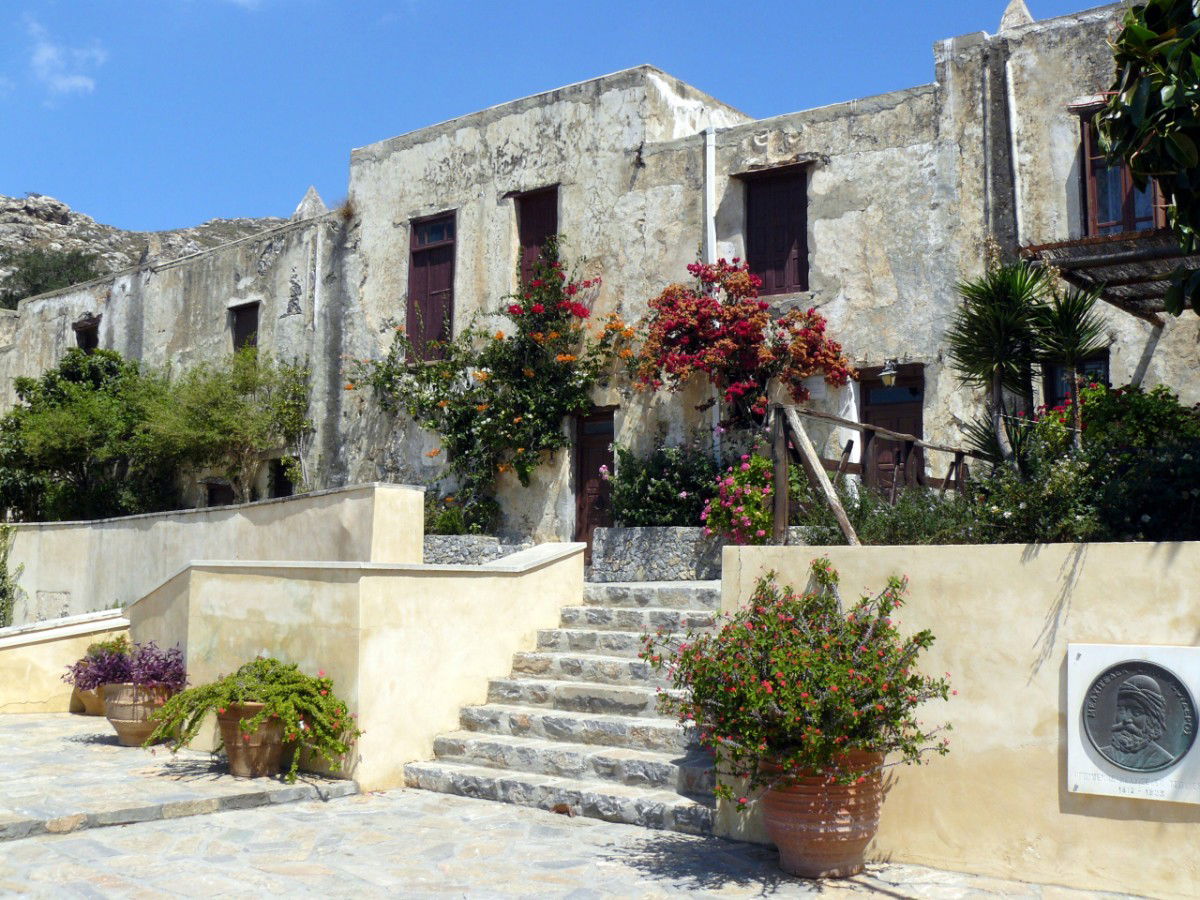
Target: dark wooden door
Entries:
(593, 493)
(898, 408)
(777, 230)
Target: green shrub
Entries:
(443, 515)
(668, 487)
(919, 515)
(9, 590)
(39, 270)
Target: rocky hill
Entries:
(40, 221)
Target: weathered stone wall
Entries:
(904, 188)
(467, 549)
(661, 553)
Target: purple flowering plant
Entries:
(119, 662)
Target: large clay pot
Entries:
(255, 754)
(93, 701)
(129, 707)
(822, 829)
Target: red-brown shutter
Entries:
(537, 221)
(431, 284)
(777, 231)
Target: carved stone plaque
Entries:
(1132, 721)
(1139, 716)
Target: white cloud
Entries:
(61, 69)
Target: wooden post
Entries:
(816, 474)
(962, 477)
(845, 461)
(779, 455)
(950, 474)
(912, 475)
(897, 474)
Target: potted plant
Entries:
(103, 662)
(152, 675)
(804, 699)
(263, 706)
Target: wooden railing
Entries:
(789, 438)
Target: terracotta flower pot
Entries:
(93, 700)
(129, 707)
(255, 754)
(822, 829)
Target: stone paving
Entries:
(61, 773)
(414, 843)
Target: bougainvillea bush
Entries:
(742, 509)
(314, 718)
(793, 680)
(719, 328)
(498, 397)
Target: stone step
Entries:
(588, 667)
(672, 594)
(592, 640)
(637, 732)
(576, 696)
(644, 619)
(594, 799)
(687, 774)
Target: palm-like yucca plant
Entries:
(1069, 330)
(993, 335)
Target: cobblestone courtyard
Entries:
(68, 771)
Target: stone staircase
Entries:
(576, 725)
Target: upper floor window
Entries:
(777, 229)
(87, 332)
(1056, 379)
(430, 308)
(1114, 204)
(245, 326)
(537, 222)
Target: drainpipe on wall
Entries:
(710, 251)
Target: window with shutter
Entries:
(1114, 204)
(537, 221)
(431, 284)
(777, 230)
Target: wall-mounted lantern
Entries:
(891, 368)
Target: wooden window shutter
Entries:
(430, 308)
(777, 230)
(537, 221)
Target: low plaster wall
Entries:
(77, 567)
(661, 553)
(33, 659)
(407, 646)
(1002, 616)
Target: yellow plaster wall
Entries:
(406, 646)
(31, 669)
(1002, 616)
(111, 562)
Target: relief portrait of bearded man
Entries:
(1140, 719)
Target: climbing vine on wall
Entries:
(498, 397)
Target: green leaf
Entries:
(1183, 148)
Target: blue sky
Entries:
(152, 114)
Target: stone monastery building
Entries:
(870, 211)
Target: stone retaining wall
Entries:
(467, 549)
(660, 553)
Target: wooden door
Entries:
(777, 230)
(898, 408)
(593, 493)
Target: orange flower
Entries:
(481, 407)
(627, 333)
(553, 335)
(349, 385)
(538, 337)
(517, 419)
(565, 357)
(434, 452)
(443, 403)
(626, 353)
(499, 335)
(481, 376)
(503, 467)
(528, 373)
